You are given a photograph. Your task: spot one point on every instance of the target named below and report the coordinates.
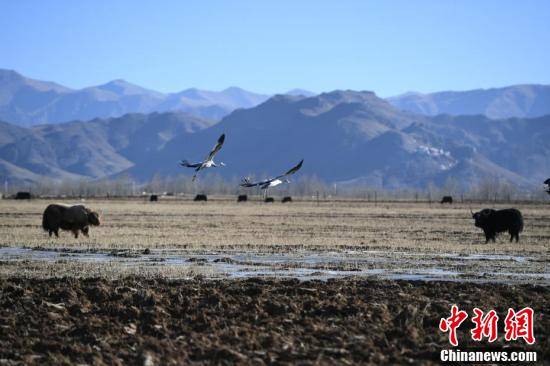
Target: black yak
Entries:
(269, 200)
(547, 185)
(200, 197)
(286, 199)
(497, 221)
(23, 196)
(242, 198)
(447, 199)
(153, 198)
(72, 218)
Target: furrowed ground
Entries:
(134, 321)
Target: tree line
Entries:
(486, 189)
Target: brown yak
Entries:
(72, 218)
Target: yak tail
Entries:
(44, 223)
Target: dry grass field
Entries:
(178, 282)
(362, 235)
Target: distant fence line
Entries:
(487, 190)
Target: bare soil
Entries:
(136, 321)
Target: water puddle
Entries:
(377, 264)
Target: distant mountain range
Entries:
(29, 102)
(94, 149)
(348, 137)
(496, 103)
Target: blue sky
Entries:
(271, 46)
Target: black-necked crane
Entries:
(272, 182)
(208, 162)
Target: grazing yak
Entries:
(447, 199)
(497, 221)
(286, 199)
(269, 200)
(23, 196)
(201, 197)
(72, 218)
(547, 185)
(242, 198)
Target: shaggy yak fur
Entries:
(72, 218)
(497, 221)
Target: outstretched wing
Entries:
(187, 164)
(216, 148)
(292, 170)
(247, 183)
